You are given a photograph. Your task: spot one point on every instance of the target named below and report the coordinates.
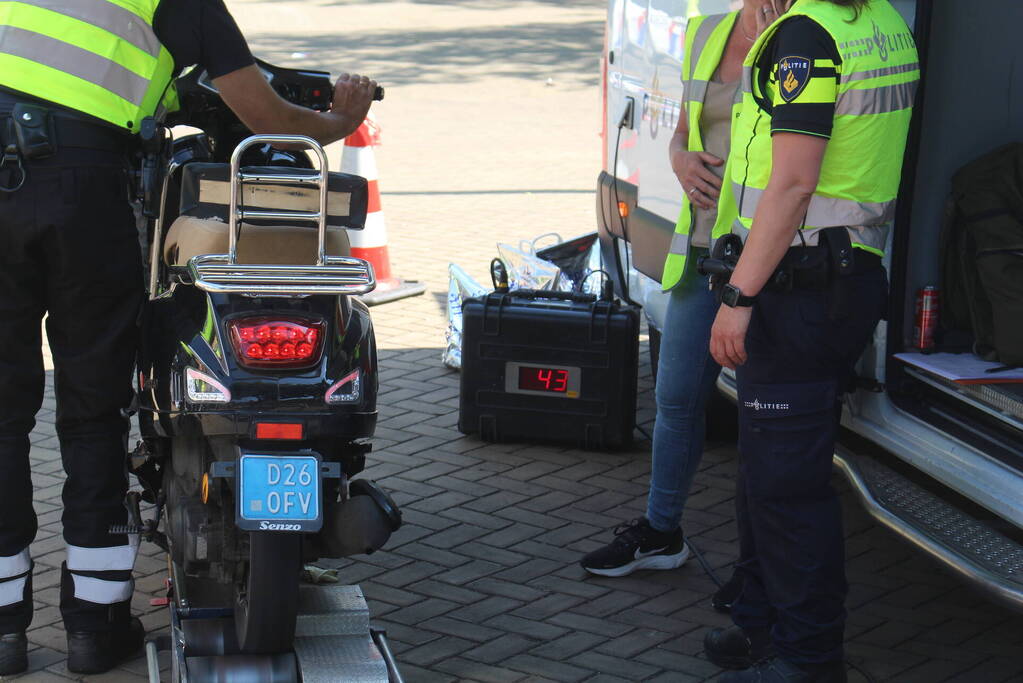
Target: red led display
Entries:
(543, 379)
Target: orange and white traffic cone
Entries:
(370, 243)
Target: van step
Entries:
(991, 561)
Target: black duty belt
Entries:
(818, 267)
(826, 267)
(73, 131)
(70, 129)
(815, 267)
(32, 130)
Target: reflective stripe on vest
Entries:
(862, 236)
(862, 167)
(706, 39)
(824, 211)
(100, 57)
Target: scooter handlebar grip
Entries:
(378, 94)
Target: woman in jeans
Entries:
(715, 49)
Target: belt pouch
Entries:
(843, 263)
(34, 131)
(12, 173)
(801, 268)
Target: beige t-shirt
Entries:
(716, 127)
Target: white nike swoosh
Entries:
(639, 555)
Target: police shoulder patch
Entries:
(793, 76)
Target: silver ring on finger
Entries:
(691, 191)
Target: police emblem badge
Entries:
(793, 76)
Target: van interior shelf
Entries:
(1002, 401)
(962, 368)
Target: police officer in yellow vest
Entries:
(76, 79)
(815, 166)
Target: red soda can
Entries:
(927, 304)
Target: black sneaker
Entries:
(91, 652)
(637, 545)
(734, 648)
(725, 596)
(779, 671)
(13, 654)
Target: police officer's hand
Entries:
(728, 335)
(698, 181)
(352, 96)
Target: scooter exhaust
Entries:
(362, 523)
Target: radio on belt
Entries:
(549, 366)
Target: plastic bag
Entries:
(577, 259)
(525, 269)
(461, 286)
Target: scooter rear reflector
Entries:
(276, 343)
(291, 431)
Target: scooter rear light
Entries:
(202, 388)
(276, 342)
(345, 390)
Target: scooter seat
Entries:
(257, 244)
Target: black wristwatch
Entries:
(732, 296)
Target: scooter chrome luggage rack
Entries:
(333, 275)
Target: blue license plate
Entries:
(279, 493)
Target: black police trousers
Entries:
(68, 250)
(792, 548)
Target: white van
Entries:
(940, 463)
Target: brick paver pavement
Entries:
(482, 582)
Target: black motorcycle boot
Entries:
(734, 648)
(13, 654)
(777, 670)
(94, 652)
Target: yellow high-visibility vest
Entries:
(706, 38)
(862, 166)
(99, 57)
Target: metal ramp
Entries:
(333, 635)
(334, 642)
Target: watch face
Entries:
(729, 296)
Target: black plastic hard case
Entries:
(599, 337)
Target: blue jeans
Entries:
(685, 377)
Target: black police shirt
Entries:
(201, 32)
(800, 66)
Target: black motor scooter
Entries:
(257, 381)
